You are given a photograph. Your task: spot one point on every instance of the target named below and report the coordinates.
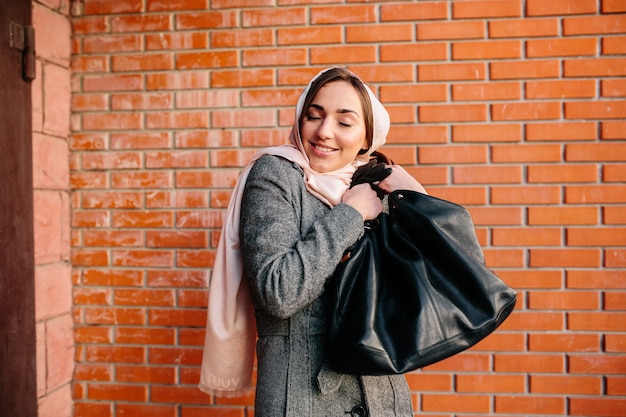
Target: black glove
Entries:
(371, 174)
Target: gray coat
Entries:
(291, 243)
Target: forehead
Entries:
(338, 95)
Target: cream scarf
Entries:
(228, 355)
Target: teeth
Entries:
(323, 148)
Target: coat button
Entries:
(358, 411)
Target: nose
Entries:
(324, 129)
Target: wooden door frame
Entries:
(18, 368)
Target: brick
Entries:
(612, 129)
(556, 131)
(177, 41)
(137, 297)
(486, 91)
(89, 102)
(205, 20)
(594, 25)
(91, 334)
(531, 321)
(175, 356)
(115, 354)
(413, 52)
(510, 70)
(487, 175)
(596, 110)
(413, 12)
(486, 9)
(82, 257)
(242, 38)
(243, 118)
(177, 81)
(615, 343)
(462, 362)
(145, 258)
(526, 237)
(286, 16)
(596, 279)
(453, 154)
(439, 403)
(450, 30)
(192, 298)
(535, 363)
(614, 215)
(176, 239)
(93, 372)
(576, 342)
(92, 296)
(501, 342)
(216, 59)
(177, 317)
(532, 278)
(529, 194)
(616, 385)
(524, 28)
(491, 383)
(106, 315)
(349, 54)
(562, 173)
(112, 277)
(504, 258)
(408, 93)
(278, 56)
(607, 236)
(428, 382)
(565, 258)
(105, 199)
(613, 173)
(176, 159)
(345, 14)
(177, 120)
(561, 47)
(594, 67)
(117, 392)
(597, 364)
(563, 216)
(139, 410)
(178, 394)
(526, 111)
(489, 133)
(493, 216)
(614, 301)
(270, 97)
(177, 278)
(614, 258)
(87, 141)
(195, 258)
(140, 23)
(452, 113)
(560, 89)
(144, 62)
(595, 152)
(530, 404)
(151, 374)
(165, 199)
(551, 300)
(134, 101)
(525, 153)
(614, 45)
(451, 72)
(141, 180)
(613, 88)
(560, 7)
(612, 407)
(243, 78)
(486, 50)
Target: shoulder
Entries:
(275, 167)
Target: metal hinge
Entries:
(22, 38)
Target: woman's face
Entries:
(333, 127)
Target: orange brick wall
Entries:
(515, 109)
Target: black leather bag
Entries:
(413, 291)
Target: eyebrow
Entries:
(321, 108)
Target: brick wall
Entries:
(51, 96)
(515, 109)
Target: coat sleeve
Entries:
(286, 263)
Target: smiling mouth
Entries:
(322, 148)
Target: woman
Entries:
(297, 217)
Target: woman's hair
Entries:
(342, 74)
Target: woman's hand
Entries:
(363, 199)
(399, 179)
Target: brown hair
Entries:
(342, 74)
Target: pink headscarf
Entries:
(228, 356)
